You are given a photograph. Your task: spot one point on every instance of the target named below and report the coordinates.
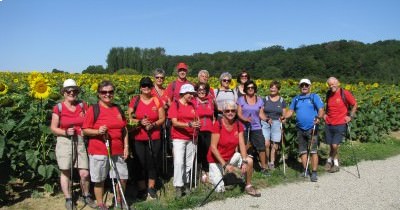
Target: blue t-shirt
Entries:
(252, 111)
(306, 110)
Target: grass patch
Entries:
(363, 151)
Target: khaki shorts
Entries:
(64, 153)
(100, 167)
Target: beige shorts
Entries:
(64, 153)
(100, 167)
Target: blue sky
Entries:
(70, 35)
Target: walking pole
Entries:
(309, 151)
(283, 151)
(71, 181)
(352, 148)
(209, 194)
(113, 168)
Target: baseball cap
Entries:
(146, 81)
(307, 81)
(181, 66)
(69, 83)
(187, 88)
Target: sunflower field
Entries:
(26, 100)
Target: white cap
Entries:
(307, 81)
(187, 88)
(69, 83)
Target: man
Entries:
(203, 77)
(174, 87)
(338, 101)
(309, 110)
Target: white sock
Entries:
(329, 160)
(336, 162)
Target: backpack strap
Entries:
(59, 108)
(311, 98)
(135, 105)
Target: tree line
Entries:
(350, 60)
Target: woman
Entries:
(224, 93)
(105, 121)
(66, 122)
(249, 108)
(150, 116)
(184, 123)
(227, 135)
(205, 110)
(271, 114)
(159, 90)
(242, 78)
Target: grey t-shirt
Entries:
(223, 95)
(273, 109)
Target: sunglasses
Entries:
(201, 91)
(230, 110)
(104, 92)
(226, 80)
(146, 86)
(250, 87)
(159, 77)
(243, 75)
(304, 85)
(74, 91)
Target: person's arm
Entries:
(55, 120)
(126, 144)
(288, 114)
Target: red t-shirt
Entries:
(111, 117)
(228, 141)
(185, 113)
(68, 118)
(205, 111)
(337, 110)
(151, 112)
(175, 94)
(211, 94)
(162, 98)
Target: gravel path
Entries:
(378, 188)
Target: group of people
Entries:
(210, 129)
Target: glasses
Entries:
(226, 80)
(243, 76)
(179, 70)
(304, 85)
(146, 86)
(250, 87)
(230, 110)
(74, 91)
(201, 91)
(159, 77)
(104, 92)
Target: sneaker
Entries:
(334, 169)
(264, 172)
(178, 192)
(87, 200)
(152, 194)
(271, 166)
(69, 205)
(314, 176)
(328, 166)
(102, 206)
(303, 174)
(250, 190)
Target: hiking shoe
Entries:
(303, 174)
(142, 195)
(314, 176)
(178, 192)
(328, 166)
(250, 190)
(69, 205)
(152, 194)
(334, 169)
(271, 166)
(87, 200)
(265, 172)
(102, 207)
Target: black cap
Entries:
(146, 81)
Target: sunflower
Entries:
(233, 84)
(94, 87)
(33, 75)
(3, 88)
(40, 89)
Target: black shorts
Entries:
(304, 139)
(256, 139)
(335, 134)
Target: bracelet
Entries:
(66, 134)
(224, 167)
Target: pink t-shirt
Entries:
(151, 112)
(111, 117)
(228, 141)
(69, 118)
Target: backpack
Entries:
(310, 97)
(230, 90)
(329, 94)
(267, 99)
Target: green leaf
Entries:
(2, 146)
(31, 158)
(46, 171)
(9, 125)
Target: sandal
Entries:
(252, 191)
